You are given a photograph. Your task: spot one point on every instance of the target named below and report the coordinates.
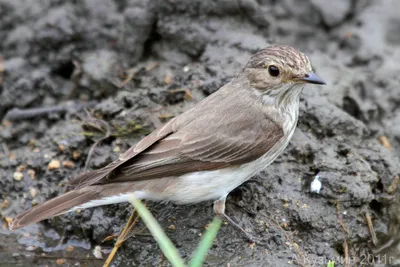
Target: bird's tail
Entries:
(82, 198)
(54, 207)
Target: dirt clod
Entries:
(54, 164)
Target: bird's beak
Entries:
(312, 78)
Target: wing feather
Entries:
(214, 152)
(200, 139)
(95, 176)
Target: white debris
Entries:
(97, 252)
(33, 191)
(316, 185)
(18, 176)
(186, 69)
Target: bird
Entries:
(205, 152)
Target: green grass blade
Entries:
(206, 243)
(165, 244)
(331, 264)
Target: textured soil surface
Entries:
(136, 63)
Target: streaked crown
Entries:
(283, 55)
(277, 66)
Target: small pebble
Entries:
(54, 164)
(33, 192)
(68, 164)
(18, 176)
(31, 173)
(21, 168)
(60, 261)
(4, 204)
(31, 248)
(168, 79)
(76, 154)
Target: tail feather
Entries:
(87, 197)
(54, 207)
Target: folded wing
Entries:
(190, 149)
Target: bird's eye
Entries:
(273, 70)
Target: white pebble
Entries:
(97, 252)
(316, 185)
(33, 191)
(18, 176)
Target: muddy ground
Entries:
(136, 63)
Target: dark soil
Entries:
(137, 63)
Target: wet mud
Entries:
(137, 63)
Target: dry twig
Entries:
(346, 253)
(122, 237)
(98, 124)
(24, 114)
(371, 228)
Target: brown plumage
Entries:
(223, 134)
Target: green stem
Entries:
(166, 246)
(206, 243)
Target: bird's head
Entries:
(280, 68)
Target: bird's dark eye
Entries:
(273, 70)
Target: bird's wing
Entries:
(166, 153)
(185, 152)
(95, 176)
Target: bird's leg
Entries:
(219, 209)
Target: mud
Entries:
(168, 55)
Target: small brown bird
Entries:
(207, 151)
